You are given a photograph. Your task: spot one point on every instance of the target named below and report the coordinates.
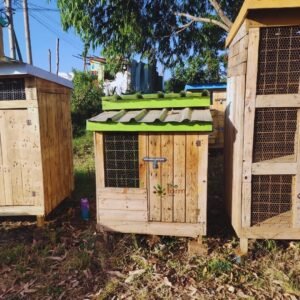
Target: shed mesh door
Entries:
(276, 128)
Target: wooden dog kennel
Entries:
(151, 167)
(263, 121)
(36, 167)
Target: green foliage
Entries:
(149, 28)
(219, 266)
(205, 93)
(183, 94)
(86, 100)
(174, 85)
(160, 95)
(139, 96)
(117, 97)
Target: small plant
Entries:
(218, 266)
(205, 93)
(182, 94)
(117, 97)
(139, 95)
(159, 190)
(160, 95)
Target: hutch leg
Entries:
(40, 221)
(243, 246)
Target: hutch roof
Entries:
(251, 5)
(172, 113)
(16, 68)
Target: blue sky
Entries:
(45, 28)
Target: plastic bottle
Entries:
(85, 209)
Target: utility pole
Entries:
(27, 33)
(11, 38)
(1, 42)
(57, 56)
(49, 56)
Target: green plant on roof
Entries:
(182, 94)
(205, 93)
(117, 97)
(139, 95)
(160, 95)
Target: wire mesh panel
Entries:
(274, 133)
(279, 60)
(271, 196)
(12, 89)
(121, 160)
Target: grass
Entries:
(68, 259)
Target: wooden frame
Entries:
(242, 103)
(141, 210)
(36, 163)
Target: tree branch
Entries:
(221, 13)
(203, 20)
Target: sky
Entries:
(45, 27)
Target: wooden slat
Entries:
(21, 211)
(264, 168)
(202, 181)
(191, 179)
(249, 115)
(30, 88)
(154, 178)
(143, 152)
(99, 166)
(15, 104)
(136, 204)
(237, 70)
(296, 195)
(287, 100)
(155, 228)
(2, 187)
(179, 177)
(167, 150)
(121, 215)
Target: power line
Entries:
(47, 26)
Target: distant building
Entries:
(97, 67)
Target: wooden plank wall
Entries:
(218, 107)
(234, 124)
(21, 187)
(183, 181)
(56, 142)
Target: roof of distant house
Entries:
(98, 59)
(205, 86)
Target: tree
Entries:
(169, 31)
(86, 100)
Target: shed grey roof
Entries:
(187, 115)
(11, 67)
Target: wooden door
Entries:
(177, 188)
(20, 160)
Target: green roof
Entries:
(171, 100)
(153, 120)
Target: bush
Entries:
(160, 95)
(139, 95)
(182, 94)
(117, 97)
(174, 85)
(205, 93)
(86, 100)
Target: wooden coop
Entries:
(263, 121)
(151, 166)
(36, 167)
(217, 107)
